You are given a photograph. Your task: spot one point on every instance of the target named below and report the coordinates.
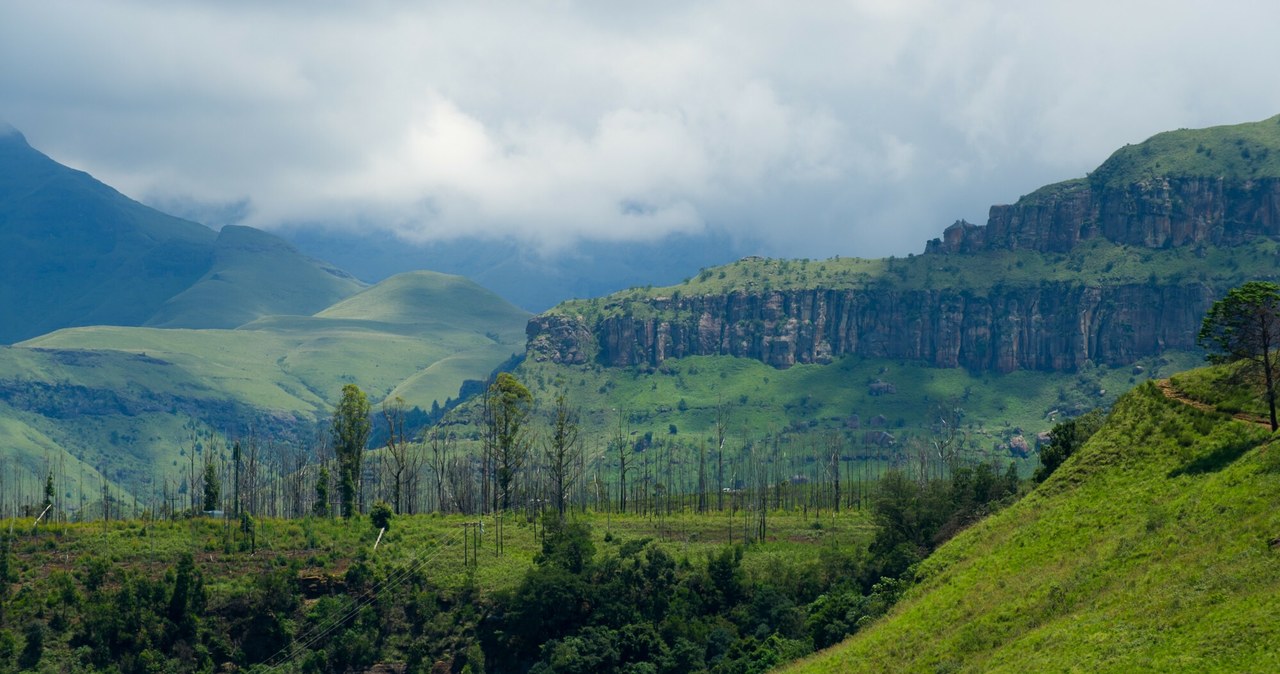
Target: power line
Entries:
(319, 632)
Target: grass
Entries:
(254, 274)
(326, 548)
(1093, 263)
(810, 400)
(1235, 152)
(1147, 551)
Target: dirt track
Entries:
(1166, 387)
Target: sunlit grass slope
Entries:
(684, 394)
(1150, 550)
(129, 398)
(254, 274)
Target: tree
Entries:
(350, 430)
(404, 457)
(1065, 439)
(1245, 326)
(321, 507)
(562, 451)
(212, 486)
(509, 404)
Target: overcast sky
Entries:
(817, 128)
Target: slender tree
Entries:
(350, 430)
(321, 507)
(562, 452)
(1245, 326)
(401, 457)
(212, 486)
(439, 443)
(509, 406)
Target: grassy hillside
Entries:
(1150, 550)
(254, 274)
(759, 399)
(129, 400)
(1236, 152)
(1096, 262)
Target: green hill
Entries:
(130, 400)
(254, 274)
(1152, 549)
(428, 298)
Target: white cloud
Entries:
(819, 128)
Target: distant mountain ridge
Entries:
(75, 252)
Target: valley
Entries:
(725, 474)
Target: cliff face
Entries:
(1153, 213)
(1048, 327)
(1215, 189)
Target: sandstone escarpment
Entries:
(1061, 304)
(1046, 327)
(1154, 213)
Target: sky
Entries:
(857, 128)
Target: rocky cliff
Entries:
(1028, 290)
(1047, 327)
(1154, 213)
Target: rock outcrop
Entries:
(1046, 327)
(1155, 213)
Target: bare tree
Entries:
(722, 428)
(403, 458)
(562, 452)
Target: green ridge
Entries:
(1147, 551)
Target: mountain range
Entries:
(134, 331)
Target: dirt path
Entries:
(1166, 387)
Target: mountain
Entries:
(527, 278)
(1151, 549)
(76, 252)
(254, 274)
(1108, 269)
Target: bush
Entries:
(381, 515)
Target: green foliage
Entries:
(1066, 439)
(1135, 555)
(507, 407)
(1245, 325)
(8, 650)
(350, 430)
(380, 515)
(913, 518)
(321, 506)
(33, 649)
(212, 489)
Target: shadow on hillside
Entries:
(1216, 460)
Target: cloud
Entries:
(858, 128)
